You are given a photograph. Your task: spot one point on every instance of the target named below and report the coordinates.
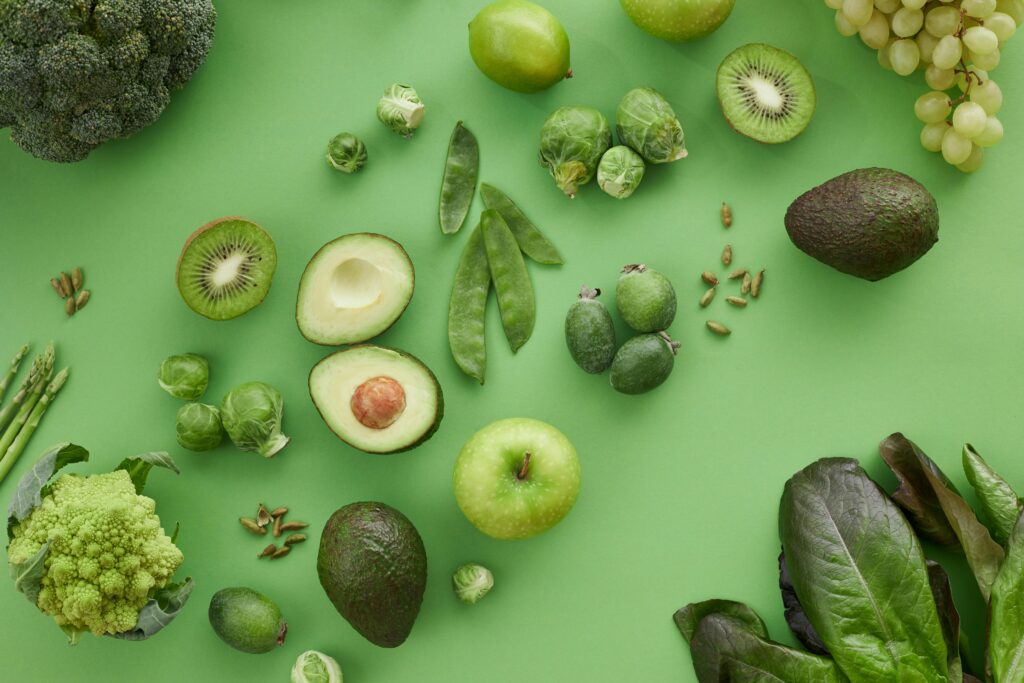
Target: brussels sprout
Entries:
(199, 427)
(472, 582)
(571, 144)
(646, 122)
(185, 376)
(316, 667)
(346, 153)
(252, 414)
(400, 109)
(620, 172)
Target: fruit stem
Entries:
(521, 474)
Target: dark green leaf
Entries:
(724, 650)
(932, 487)
(28, 575)
(177, 528)
(949, 618)
(1000, 505)
(1006, 623)
(796, 617)
(860, 574)
(30, 489)
(688, 618)
(914, 493)
(139, 466)
(164, 606)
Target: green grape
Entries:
(883, 57)
(932, 134)
(939, 79)
(992, 134)
(932, 107)
(986, 62)
(947, 52)
(942, 21)
(875, 33)
(888, 6)
(926, 43)
(858, 12)
(988, 95)
(969, 119)
(980, 40)
(834, 4)
(914, 4)
(905, 56)
(979, 76)
(973, 161)
(955, 147)
(980, 9)
(844, 26)
(907, 22)
(1015, 8)
(1002, 25)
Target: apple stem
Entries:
(526, 466)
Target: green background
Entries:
(680, 486)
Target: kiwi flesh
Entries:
(765, 93)
(226, 267)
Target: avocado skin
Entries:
(373, 566)
(870, 223)
(641, 364)
(590, 335)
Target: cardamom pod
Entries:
(709, 277)
(718, 328)
(708, 296)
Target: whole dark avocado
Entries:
(871, 222)
(373, 566)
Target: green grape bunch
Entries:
(956, 43)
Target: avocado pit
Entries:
(378, 402)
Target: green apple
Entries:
(516, 478)
(678, 19)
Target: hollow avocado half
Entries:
(377, 399)
(353, 289)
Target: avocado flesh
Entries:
(373, 567)
(870, 223)
(354, 289)
(335, 379)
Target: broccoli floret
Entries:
(76, 73)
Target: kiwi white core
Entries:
(766, 94)
(356, 283)
(228, 270)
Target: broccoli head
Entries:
(107, 552)
(76, 73)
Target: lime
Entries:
(519, 45)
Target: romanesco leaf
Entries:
(160, 610)
(139, 466)
(31, 487)
(28, 575)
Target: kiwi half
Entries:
(765, 93)
(226, 267)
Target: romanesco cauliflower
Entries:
(107, 554)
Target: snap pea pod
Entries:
(459, 183)
(468, 306)
(511, 281)
(533, 243)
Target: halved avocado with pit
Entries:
(377, 399)
(354, 289)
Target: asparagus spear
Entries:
(11, 433)
(15, 449)
(41, 366)
(12, 371)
